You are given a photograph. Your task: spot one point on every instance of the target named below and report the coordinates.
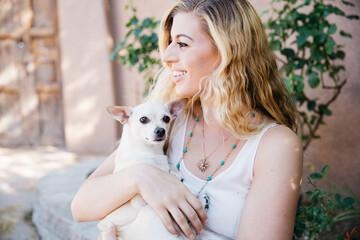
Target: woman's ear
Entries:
(176, 106)
(120, 113)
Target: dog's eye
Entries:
(144, 120)
(166, 119)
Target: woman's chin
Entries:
(184, 93)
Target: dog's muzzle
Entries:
(160, 134)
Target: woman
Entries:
(234, 143)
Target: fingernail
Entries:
(206, 221)
(201, 232)
(110, 225)
(192, 236)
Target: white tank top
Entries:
(227, 191)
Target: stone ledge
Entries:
(51, 212)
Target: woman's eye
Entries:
(181, 44)
(166, 119)
(144, 120)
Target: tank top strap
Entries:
(257, 138)
(244, 162)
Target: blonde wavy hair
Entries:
(248, 73)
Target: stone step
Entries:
(51, 211)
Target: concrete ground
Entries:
(20, 170)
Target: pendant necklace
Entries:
(203, 164)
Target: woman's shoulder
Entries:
(280, 135)
(279, 147)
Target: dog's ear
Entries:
(176, 106)
(120, 113)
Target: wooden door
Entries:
(30, 83)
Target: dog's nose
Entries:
(160, 132)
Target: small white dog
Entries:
(143, 137)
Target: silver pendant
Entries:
(205, 200)
(202, 164)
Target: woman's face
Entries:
(191, 55)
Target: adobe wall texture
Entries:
(86, 76)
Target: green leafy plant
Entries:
(140, 46)
(301, 32)
(321, 209)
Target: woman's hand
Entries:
(171, 200)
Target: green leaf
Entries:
(332, 29)
(307, 2)
(312, 120)
(275, 45)
(323, 109)
(311, 105)
(353, 17)
(337, 197)
(316, 54)
(325, 168)
(309, 193)
(319, 38)
(154, 38)
(134, 21)
(298, 78)
(262, 13)
(316, 175)
(301, 40)
(300, 86)
(338, 11)
(146, 22)
(314, 80)
(320, 67)
(329, 46)
(348, 3)
(289, 53)
(137, 31)
(344, 34)
(340, 54)
(141, 67)
(144, 40)
(348, 201)
(134, 60)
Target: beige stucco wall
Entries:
(86, 76)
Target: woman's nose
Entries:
(170, 55)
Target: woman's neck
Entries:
(211, 121)
(209, 114)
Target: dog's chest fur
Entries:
(132, 151)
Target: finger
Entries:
(168, 222)
(182, 222)
(110, 233)
(198, 207)
(192, 216)
(99, 237)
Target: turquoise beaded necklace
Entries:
(185, 150)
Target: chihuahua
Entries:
(145, 129)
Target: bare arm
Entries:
(270, 207)
(104, 191)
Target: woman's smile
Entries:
(178, 75)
